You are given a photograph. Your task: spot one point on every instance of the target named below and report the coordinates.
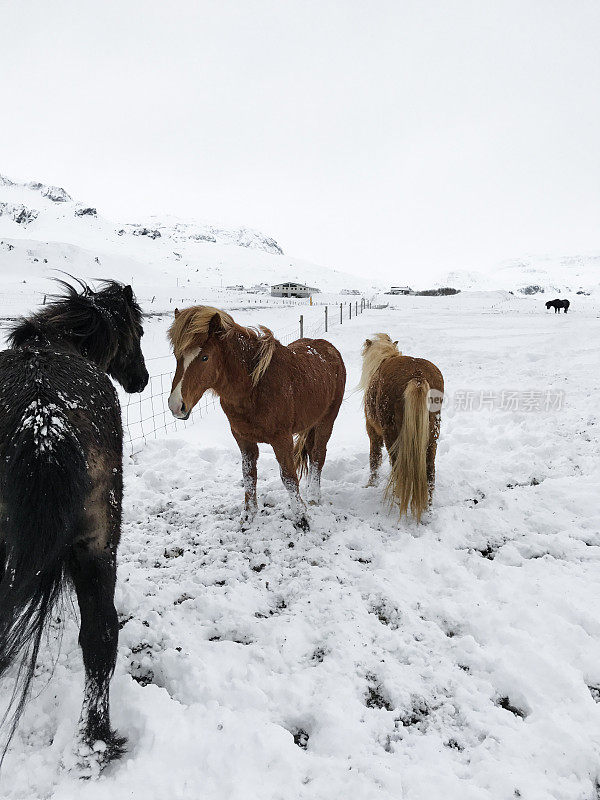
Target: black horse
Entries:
(558, 304)
(61, 487)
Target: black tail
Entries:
(44, 483)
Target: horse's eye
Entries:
(204, 358)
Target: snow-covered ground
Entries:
(367, 658)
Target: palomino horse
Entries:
(402, 404)
(269, 392)
(61, 487)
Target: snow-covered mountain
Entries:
(24, 203)
(43, 229)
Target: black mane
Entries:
(91, 322)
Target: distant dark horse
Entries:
(61, 487)
(557, 305)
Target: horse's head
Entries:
(104, 326)
(549, 303)
(382, 341)
(374, 351)
(196, 336)
(127, 365)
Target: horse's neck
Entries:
(234, 386)
(40, 336)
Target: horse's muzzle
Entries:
(178, 409)
(137, 384)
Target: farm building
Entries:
(400, 290)
(292, 289)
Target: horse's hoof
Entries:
(247, 519)
(92, 757)
(302, 524)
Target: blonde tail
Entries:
(301, 453)
(407, 484)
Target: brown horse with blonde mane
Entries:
(402, 402)
(270, 393)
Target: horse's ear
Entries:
(368, 343)
(128, 293)
(177, 313)
(215, 325)
(396, 342)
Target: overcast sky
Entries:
(390, 137)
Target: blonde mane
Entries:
(374, 352)
(190, 328)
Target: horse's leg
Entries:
(2, 556)
(431, 451)
(249, 451)
(316, 461)
(376, 446)
(390, 437)
(434, 432)
(94, 576)
(93, 569)
(318, 451)
(284, 453)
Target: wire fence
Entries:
(146, 416)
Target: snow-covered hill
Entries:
(553, 274)
(43, 229)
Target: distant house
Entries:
(400, 290)
(292, 289)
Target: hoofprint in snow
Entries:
(458, 659)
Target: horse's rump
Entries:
(318, 388)
(397, 406)
(385, 391)
(316, 376)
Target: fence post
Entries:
(350, 309)
(341, 313)
(302, 326)
(356, 308)
(325, 319)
